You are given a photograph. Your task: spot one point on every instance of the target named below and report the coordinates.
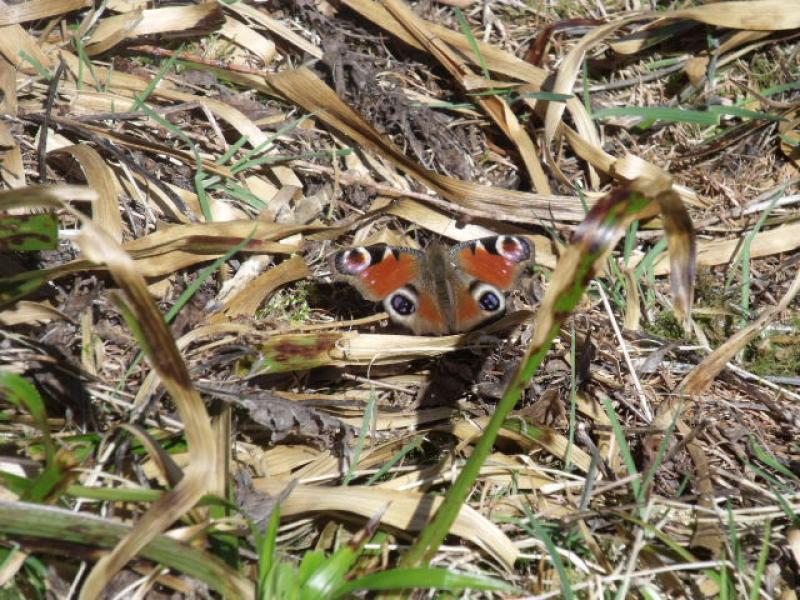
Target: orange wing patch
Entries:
(491, 268)
(467, 309)
(392, 273)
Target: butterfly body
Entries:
(439, 291)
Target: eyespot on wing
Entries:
(497, 260)
(377, 271)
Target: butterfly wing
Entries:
(484, 269)
(399, 278)
(497, 260)
(377, 271)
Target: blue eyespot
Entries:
(489, 302)
(402, 305)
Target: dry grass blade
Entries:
(16, 44)
(534, 437)
(406, 511)
(105, 212)
(166, 360)
(293, 352)
(495, 107)
(495, 59)
(275, 26)
(182, 21)
(702, 375)
(45, 196)
(568, 73)
(682, 252)
(37, 9)
(25, 311)
(766, 15)
(245, 37)
(11, 167)
(170, 249)
(785, 238)
(305, 89)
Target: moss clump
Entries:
(768, 358)
(665, 325)
(289, 304)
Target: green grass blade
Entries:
(755, 591)
(65, 527)
(412, 445)
(424, 578)
(366, 423)
(473, 43)
(27, 233)
(605, 224)
(22, 393)
(670, 115)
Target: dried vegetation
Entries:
(189, 405)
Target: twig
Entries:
(643, 401)
(52, 90)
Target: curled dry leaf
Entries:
(163, 354)
(100, 248)
(405, 510)
(177, 21)
(105, 212)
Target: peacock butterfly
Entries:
(439, 291)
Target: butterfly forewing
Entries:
(377, 271)
(495, 260)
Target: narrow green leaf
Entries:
(23, 394)
(744, 113)
(473, 43)
(425, 578)
(267, 556)
(755, 591)
(66, 527)
(768, 459)
(26, 233)
(549, 96)
(672, 115)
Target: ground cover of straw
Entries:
(258, 138)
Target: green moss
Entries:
(708, 289)
(289, 303)
(665, 325)
(762, 69)
(768, 358)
